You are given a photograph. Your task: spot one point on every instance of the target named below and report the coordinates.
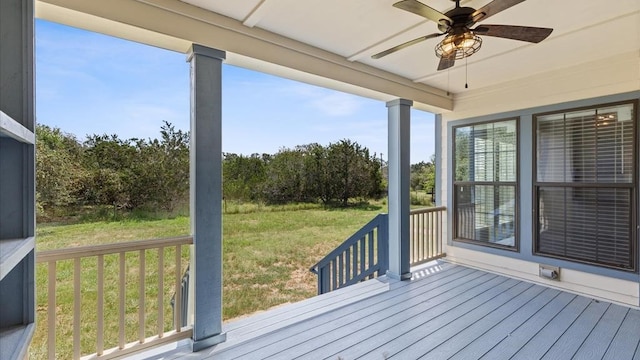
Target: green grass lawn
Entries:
(266, 260)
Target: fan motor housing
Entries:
(461, 17)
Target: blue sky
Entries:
(88, 83)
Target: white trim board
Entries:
(597, 286)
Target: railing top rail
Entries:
(112, 248)
(427, 210)
(352, 239)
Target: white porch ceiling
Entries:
(343, 34)
(356, 29)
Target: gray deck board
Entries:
(515, 340)
(547, 336)
(261, 323)
(603, 333)
(487, 340)
(346, 316)
(569, 343)
(266, 322)
(394, 338)
(368, 337)
(511, 314)
(370, 328)
(625, 343)
(423, 344)
(393, 329)
(445, 312)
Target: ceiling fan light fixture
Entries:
(458, 46)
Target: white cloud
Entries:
(337, 104)
(329, 102)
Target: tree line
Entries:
(107, 170)
(423, 176)
(154, 173)
(330, 174)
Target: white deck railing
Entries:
(83, 270)
(353, 260)
(426, 234)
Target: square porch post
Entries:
(399, 116)
(206, 195)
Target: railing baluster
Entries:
(160, 292)
(100, 307)
(371, 250)
(347, 272)
(178, 294)
(419, 238)
(424, 237)
(439, 232)
(425, 240)
(141, 296)
(340, 269)
(334, 272)
(434, 239)
(437, 236)
(411, 239)
(362, 255)
(374, 247)
(51, 319)
(121, 294)
(76, 308)
(414, 248)
(355, 260)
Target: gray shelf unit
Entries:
(17, 179)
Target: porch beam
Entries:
(399, 117)
(206, 195)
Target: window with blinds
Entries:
(585, 176)
(485, 182)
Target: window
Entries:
(585, 171)
(485, 183)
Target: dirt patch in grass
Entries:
(302, 280)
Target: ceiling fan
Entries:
(461, 40)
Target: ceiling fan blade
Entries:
(446, 63)
(404, 45)
(493, 8)
(425, 11)
(522, 33)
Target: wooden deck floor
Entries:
(444, 312)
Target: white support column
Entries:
(438, 159)
(206, 196)
(399, 113)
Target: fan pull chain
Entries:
(466, 72)
(448, 81)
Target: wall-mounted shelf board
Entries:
(15, 130)
(14, 341)
(12, 251)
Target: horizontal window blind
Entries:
(585, 166)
